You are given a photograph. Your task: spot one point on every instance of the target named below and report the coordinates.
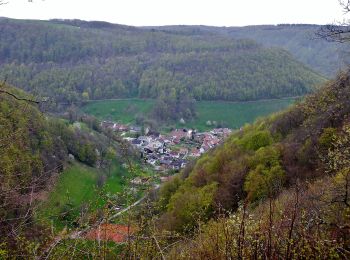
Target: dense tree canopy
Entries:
(74, 60)
(301, 40)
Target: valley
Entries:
(81, 191)
(209, 114)
(173, 142)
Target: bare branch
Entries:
(345, 4)
(18, 98)
(3, 91)
(334, 33)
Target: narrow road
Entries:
(78, 234)
(157, 186)
(128, 208)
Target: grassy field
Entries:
(75, 187)
(123, 110)
(229, 114)
(234, 114)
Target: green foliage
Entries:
(167, 190)
(190, 205)
(34, 149)
(311, 140)
(85, 95)
(306, 142)
(327, 137)
(28, 148)
(338, 157)
(254, 140)
(87, 249)
(82, 143)
(73, 62)
(173, 106)
(305, 151)
(266, 176)
(298, 39)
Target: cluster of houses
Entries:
(173, 150)
(121, 127)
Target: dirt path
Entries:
(127, 208)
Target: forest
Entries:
(71, 61)
(301, 40)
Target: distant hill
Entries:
(73, 60)
(299, 39)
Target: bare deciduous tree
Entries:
(337, 32)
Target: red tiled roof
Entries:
(110, 232)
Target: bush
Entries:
(189, 206)
(255, 140)
(266, 176)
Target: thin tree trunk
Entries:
(296, 205)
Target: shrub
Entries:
(255, 140)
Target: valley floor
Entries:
(209, 113)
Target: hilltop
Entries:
(300, 40)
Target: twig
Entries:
(160, 250)
(18, 98)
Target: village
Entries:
(170, 151)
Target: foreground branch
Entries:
(18, 98)
(3, 91)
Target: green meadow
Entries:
(227, 114)
(75, 188)
(124, 110)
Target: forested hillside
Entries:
(34, 150)
(280, 187)
(300, 40)
(72, 61)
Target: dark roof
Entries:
(148, 150)
(165, 162)
(135, 128)
(153, 134)
(176, 163)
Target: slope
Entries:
(299, 39)
(287, 174)
(73, 61)
(34, 150)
